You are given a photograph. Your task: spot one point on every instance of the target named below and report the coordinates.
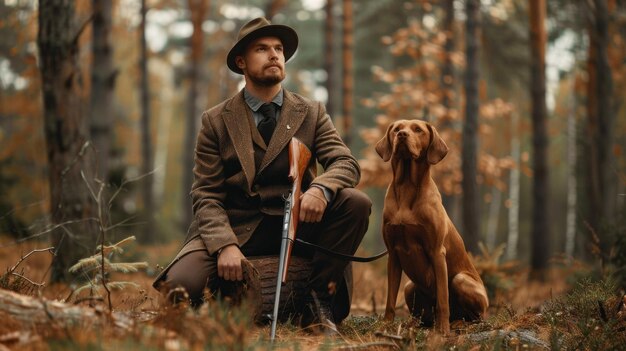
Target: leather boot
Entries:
(317, 316)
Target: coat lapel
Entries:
(292, 115)
(241, 134)
(256, 136)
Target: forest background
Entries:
(100, 103)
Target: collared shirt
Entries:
(255, 104)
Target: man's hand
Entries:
(229, 263)
(312, 205)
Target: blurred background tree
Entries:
(70, 153)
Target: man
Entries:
(241, 174)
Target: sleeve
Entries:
(327, 194)
(208, 191)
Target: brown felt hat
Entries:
(261, 27)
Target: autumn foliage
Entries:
(417, 91)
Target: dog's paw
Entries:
(389, 316)
(443, 327)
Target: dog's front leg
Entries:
(442, 316)
(394, 275)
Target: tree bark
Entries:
(514, 186)
(147, 234)
(572, 180)
(471, 212)
(291, 292)
(43, 314)
(601, 187)
(494, 217)
(69, 154)
(447, 82)
(103, 77)
(198, 10)
(540, 212)
(447, 76)
(348, 79)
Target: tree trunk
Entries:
(42, 314)
(601, 178)
(471, 213)
(103, 77)
(606, 119)
(329, 57)
(447, 76)
(162, 147)
(290, 293)
(73, 211)
(493, 219)
(540, 228)
(447, 82)
(147, 235)
(348, 79)
(198, 9)
(514, 185)
(570, 227)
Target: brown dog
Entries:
(421, 239)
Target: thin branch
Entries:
(93, 195)
(104, 283)
(389, 336)
(40, 285)
(49, 249)
(368, 345)
(15, 209)
(98, 200)
(119, 243)
(128, 182)
(47, 231)
(89, 298)
(123, 223)
(80, 154)
(83, 27)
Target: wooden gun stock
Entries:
(299, 157)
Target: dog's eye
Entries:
(417, 129)
(396, 129)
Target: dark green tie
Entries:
(268, 123)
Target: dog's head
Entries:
(411, 139)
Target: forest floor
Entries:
(565, 311)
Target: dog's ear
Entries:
(437, 149)
(383, 146)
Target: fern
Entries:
(98, 267)
(496, 275)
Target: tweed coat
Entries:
(228, 204)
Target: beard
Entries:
(267, 80)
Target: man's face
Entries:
(263, 62)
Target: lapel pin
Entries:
(288, 127)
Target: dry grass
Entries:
(522, 313)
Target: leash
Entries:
(340, 255)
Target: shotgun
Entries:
(299, 157)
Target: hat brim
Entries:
(286, 34)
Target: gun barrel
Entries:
(282, 264)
